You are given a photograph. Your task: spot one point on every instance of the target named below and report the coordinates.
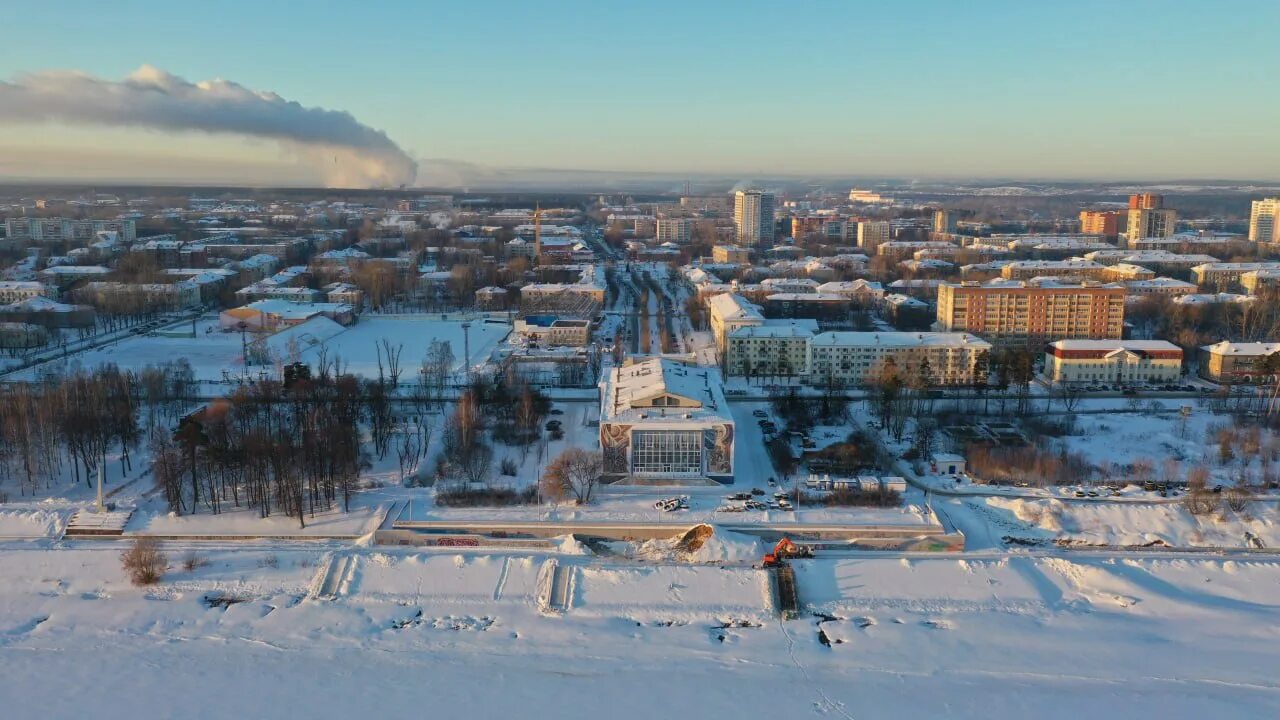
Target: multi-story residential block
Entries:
(731, 254)
(905, 248)
(775, 349)
(12, 291)
(1257, 281)
(872, 234)
(1123, 362)
(1233, 362)
(1224, 276)
(1107, 223)
(1027, 269)
(728, 312)
(855, 358)
(1168, 287)
(1032, 311)
(1124, 272)
(860, 290)
(342, 292)
(180, 295)
(1149, 218)
(944, 221)
(67, 229)
(753, 217)
(1264, 221)
(676, 230)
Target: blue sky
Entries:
(919, 88)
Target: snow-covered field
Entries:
(212, 352)
(357, 346)
(444, 634)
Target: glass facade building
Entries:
(666, 452)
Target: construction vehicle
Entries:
(786, 550)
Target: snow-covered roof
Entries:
(1226, 347)
(645, 380)
(728, 306)
(899, 339)
(1211, 298)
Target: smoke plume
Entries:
(346, 152)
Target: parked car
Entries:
(553, 424)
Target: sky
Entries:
(915, 88)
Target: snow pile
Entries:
(570, 545)
(30, 523)
(1141, 523)
(1044, 514)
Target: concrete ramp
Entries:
(786, 598)
(555, 588)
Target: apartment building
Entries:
(1027, 269)
(1107, 223)
(1224, 276)
(1256, 281)
(872, 234)
(50, 230)
(731, 254)
(1264, 226)
(1164, 286)
(1123, 362)
(728, 312)
(775, 349)
(12, 291)
(676, 230)
(855, 358)
(1125, 272)
(753, 217)
(1233, 362)
(180, 295)
(1032, 311)
(1149, 218)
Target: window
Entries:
(666, 452)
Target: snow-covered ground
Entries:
(461, 635)
(1133, 523)
(358, 345)
(213, 352)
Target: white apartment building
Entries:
(1123, 362)
(854, 358)
(1263, 225)
(676, 230)
(872, 234)
(753, 217)
(1151, 223)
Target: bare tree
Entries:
(576, 471)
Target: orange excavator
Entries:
(786, 550)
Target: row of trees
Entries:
(72, 424)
